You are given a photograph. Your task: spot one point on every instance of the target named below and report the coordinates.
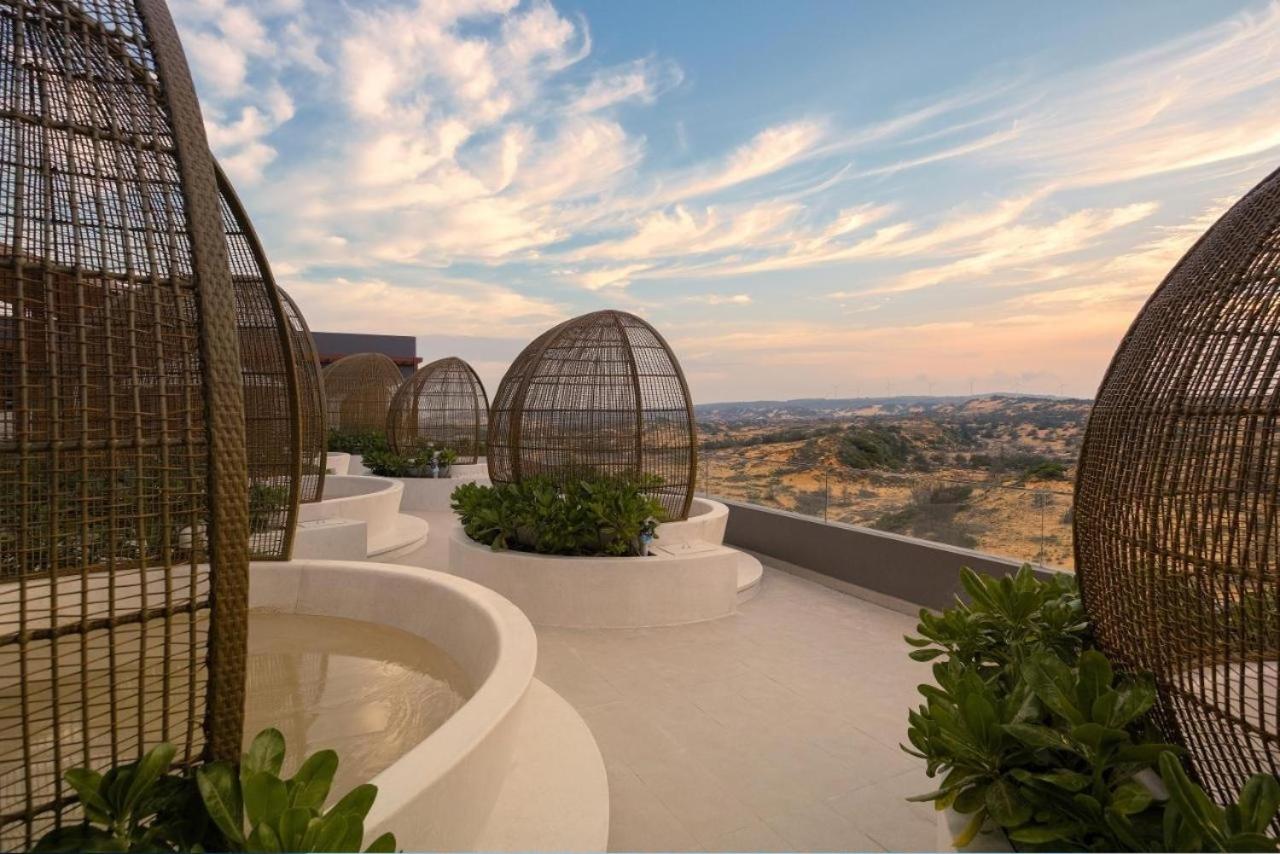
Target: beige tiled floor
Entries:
(775, 729)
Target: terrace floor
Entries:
(774, 729)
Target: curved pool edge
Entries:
(440, 793)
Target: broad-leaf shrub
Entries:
(1031, 731)
(591, 516)
(220, 806)
(360, 442)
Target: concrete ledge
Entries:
(331, 539)
(706, 523)
(926, 574)
(432, 494)
(680, 584)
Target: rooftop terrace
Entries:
(773, 729)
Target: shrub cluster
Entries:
(591, 516)
(416, 463)
(362, 442)
(1032, 731)
(218, 806)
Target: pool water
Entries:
(369, 692)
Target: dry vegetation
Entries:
(989, 473)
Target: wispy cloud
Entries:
(476, 157)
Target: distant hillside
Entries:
(994, 408)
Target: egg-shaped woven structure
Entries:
(306, 361)
(123, 493)
(358, 391)
(272, 394)
(1176, 528)
(602, 394)
(443, 403)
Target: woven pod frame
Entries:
(121, 414)
(270, 378)
(1176, 501)
(443, 403)
(358, 390)
(311, 399)
(601, 394)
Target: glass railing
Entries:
(1028, 521)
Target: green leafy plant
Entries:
(1050, 757)
(361, 442)
(219, 806)
(265, 502)
(1005, 620)
(1032, 732)
(1193, 822)
(255, 810)
(589, 516)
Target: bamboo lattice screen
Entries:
(602, 394)
(272, 395)
(358, 391)
(443, 403)
(311, 400)
(123, 502)
(1176, 528)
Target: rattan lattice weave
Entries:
(311, 393)
(358, 391)
(443, 403)
(123, 501)
(272, 405)
(599, 394)
(1176, 528)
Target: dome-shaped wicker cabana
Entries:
(601, 394)
(358, 391)
(443, 403)
(272, 394)
(1176, 528)
(122, 455)
(306, 363)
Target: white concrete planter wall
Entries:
(432, 494)
(336, 462)
(374, 501)
(438, 795)
(479, 469)
(706, 523)
(693, 583)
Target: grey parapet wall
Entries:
(911, 570)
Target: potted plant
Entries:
(445, 458)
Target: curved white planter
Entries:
(706, 523)
(696, 582)
(433, 494)
(374, 501)
(336, 462)
(439, 794)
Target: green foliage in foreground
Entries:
(361, 442)
(591, 516)
(219, 806)
(1031, 731)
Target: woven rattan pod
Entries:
(272, 396)
(122, 455)
(311, 398)
(358, 391)
(599, 394)
(443, 403)
(1176, 528)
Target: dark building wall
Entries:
(402, 349)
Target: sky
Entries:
(808, 199)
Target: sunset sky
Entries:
(808, 199)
